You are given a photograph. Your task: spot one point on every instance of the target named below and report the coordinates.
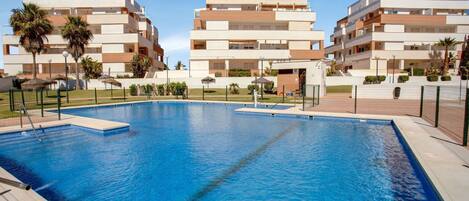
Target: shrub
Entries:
(234, 88)
(148, 89)
(381, 78)
(269, 88)
(251, 88)
(160, 89)
(403, 78)
(133, 90)
(218, 74)
(419, 72)
(180, 89)
(371, 80)
(239, 73)
(445, 78)
(432, 78)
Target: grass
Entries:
(87, 97)
(339, 89)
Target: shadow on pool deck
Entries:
(241, 163)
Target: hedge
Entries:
(403, 78)
(445, 78)
(239, 73)
(419, 72)
(432, 78)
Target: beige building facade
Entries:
(234, 37)
(400, 34)
(120, 28)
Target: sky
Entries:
(174, 20)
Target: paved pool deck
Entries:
(444, 161)
(15, 194)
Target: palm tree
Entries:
(140, 65)
(78, 35)
(32, 26)
(179, 66)
(447, 43)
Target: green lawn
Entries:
(87, 97)
(340, 89)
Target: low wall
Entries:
(221, 82)
(415, 80)
(408, 92)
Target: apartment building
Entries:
(242, 37)
(120, 30)
(380, 35)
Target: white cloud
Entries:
(176, 43)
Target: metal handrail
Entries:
(15, 184)
(23, 109)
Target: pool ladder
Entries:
(23, 109)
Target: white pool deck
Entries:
(444, 162)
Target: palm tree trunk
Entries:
(78, 87)
(34, 66)
(446, 66)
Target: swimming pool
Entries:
(195, 151)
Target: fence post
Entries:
(437, 108)
(22, 97)
(95, 97)
(283, 94)
(304, 95)
(59, 102)
(112, 95)
(42, 103)
(13, 99)
(187, 92)
(466, 120)
(319, 94)
(124, 94)
(356, 94)
(314, 94)
(226, 93)
(10, 99)
(68, 100)
(203, 92)
(21, 118)
(422, 91)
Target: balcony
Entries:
(256, 35)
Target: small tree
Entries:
(140, 65)
(435, 61)
(78, 35)
(465, 53)
(447, 43)
(92, 68)
(179, 66)
(234, 88)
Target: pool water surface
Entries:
(195, 151)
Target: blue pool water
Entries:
(180, 151)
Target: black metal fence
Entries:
(446, 107)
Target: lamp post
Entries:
(393, 67)
(262, 75)
(167, 71)
(377, 65)
(65, 54)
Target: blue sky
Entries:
(174, 21)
